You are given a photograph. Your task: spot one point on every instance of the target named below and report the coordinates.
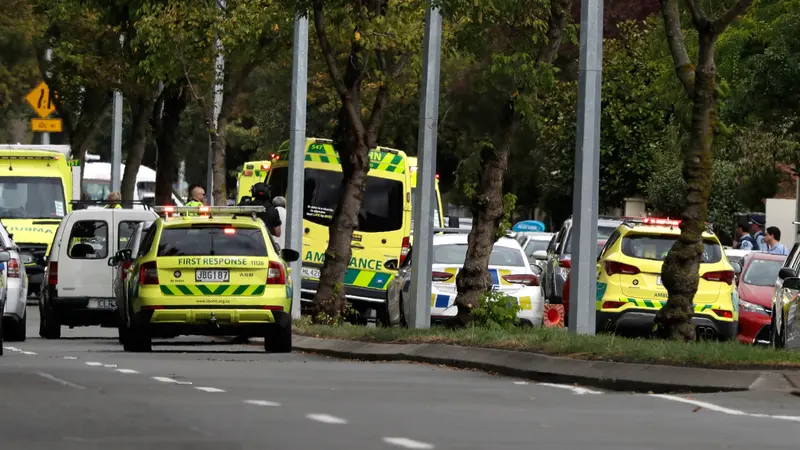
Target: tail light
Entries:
(52, 273)
(441, 276)
(527, 280)
(614, 267)
(148, 273)
(404, 250)
(723, 313)
(723, 276)
(612, 304)
(565, 263)
(275, 273)
(13, 269)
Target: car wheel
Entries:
(17, 330)
(394, 304)
(137, 340)
(279, 338)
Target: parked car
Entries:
(16, 281)
(532, 242)
(783, 332)
(123, 270)
(754, 287)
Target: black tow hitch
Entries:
(213, 320)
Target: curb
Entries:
(614, 376)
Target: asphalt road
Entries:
(83, 392)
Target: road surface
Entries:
(83, 392)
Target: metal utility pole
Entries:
(297, 146)
(48, 56)
(426, 174)
(587, 171)
(218, 87)
(116, 137)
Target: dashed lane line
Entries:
(326, 418)
(94, 364)
(576, 389)
(70, 357)
(262, 403)
(127, 371)
(27, 353)
(59, 380)
(170, 380)
(209, 389)
(407, 443)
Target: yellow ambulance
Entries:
(252, 172)
(438, 217)
(35, 193)
(381, 240)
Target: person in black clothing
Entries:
(261, 197)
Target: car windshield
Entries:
(454, 254)
(535, 245)
(656, 247)
(603, 233)
(436, 215)
(31, 197)
(212, 241)
(762, 272)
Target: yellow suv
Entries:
(629, 287)
(210, 271)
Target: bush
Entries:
(496, 310)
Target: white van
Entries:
(97, 183)
(78, 282)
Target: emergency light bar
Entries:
(208, 210)
(660, 222)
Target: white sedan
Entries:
(509, 268)
(16, 283)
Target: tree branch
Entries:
(559, 9)
(677, 45)
(699, 18)
(730, 15)
(333, 70)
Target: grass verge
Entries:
(559, 342)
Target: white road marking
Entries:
(110, 366)
(520, 383)
(722, 409)
(94, 364)
(170, 380)
(12, 349)
(262, 403)
(70, 357)
(407, 443)
(126, 371)
(326, 418)
(208, 389)
(28, 353)
(60, 381)
(576, 389)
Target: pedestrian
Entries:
(197, 196)
(280, 204)
(757, 227)
(744, 240)
(113, 200)
(772, 242)
(260, 196)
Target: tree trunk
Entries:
(142, 111)
(168, 124)
(220, 191)
(680, 272)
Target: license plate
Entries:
(212, 275)
(102, 303)
(658, 280)
(308, 272)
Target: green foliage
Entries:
(496, 310)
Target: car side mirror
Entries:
(540, 254)
(786, 272)
(792, 283)
(537, 269)
(453, 222)
(391, 264)
(290, 255)
(112, 261)
(5, 257)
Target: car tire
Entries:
(775, 338)
(49, 328)
(137, 341)
(279, 338)
(17, 331)
(1, 338)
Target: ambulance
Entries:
(381, 240)
(438, 217)
(36, 186)
(252, 172)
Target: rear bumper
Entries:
(210, 321)
(754, 328)
(642, 320)
(75, 312)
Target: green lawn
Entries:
(559, 342)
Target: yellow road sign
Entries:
(46, 125)
(40, 99)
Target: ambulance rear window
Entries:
(212, 241)
(656, 247)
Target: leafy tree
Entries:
(18, 66)
(680, 270)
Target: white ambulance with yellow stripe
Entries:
(381, 239)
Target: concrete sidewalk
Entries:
(602, 374)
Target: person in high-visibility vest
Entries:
(197, 196)
(113, 200)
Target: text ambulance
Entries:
(35, 193)
(382, 234)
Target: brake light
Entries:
(272, 307)
(612, 305)
(437, 176)
(404, 250)
(13, 269)
(148, 273)
(441, 276)
(723, 313)
(614, 267)
(527, 280)
(275, 273)
(229, 231)
(52, 273)
(565, 263)
(723, 276)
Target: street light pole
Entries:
(116, 137)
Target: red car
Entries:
(565, 290)
(754, 288)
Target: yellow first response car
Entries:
(629, 287)
(210, 271)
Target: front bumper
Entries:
(241, 320)
(754, 328)
(642, 320)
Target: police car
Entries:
(629, 287)
(208, 271)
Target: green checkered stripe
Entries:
(389, 163)
(180, 290)
(367, 279)
(652, 304)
